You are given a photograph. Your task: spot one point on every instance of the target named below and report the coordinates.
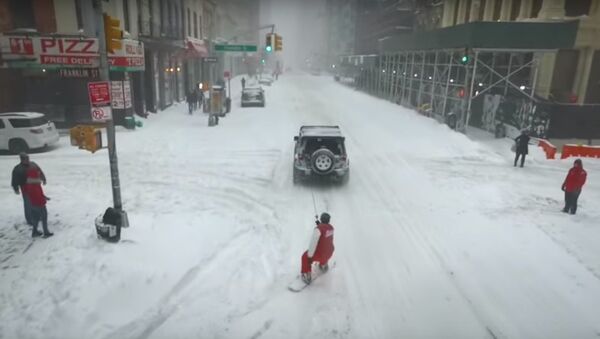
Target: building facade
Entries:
(567, 75)
(163, 45)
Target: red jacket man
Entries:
(572, 186)
(320, 248)
(33, 190)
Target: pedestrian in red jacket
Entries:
(33, 190)
(320, 248)
(572, 186)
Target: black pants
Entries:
(571, 201)
(522, 158)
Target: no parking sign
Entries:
(99, 94)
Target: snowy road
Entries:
(437, 235)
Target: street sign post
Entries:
(210, 59)
(235, 48)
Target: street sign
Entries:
(210, 59)
(226, 74)
(235, 48)
(102, 113)
(99, 93)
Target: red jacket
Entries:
(33, 188)
(321, 246)
(575, 179)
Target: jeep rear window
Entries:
(332, 144)
(21, 123)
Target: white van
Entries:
(23, 131)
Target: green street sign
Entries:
(235, 48)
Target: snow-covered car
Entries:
(253, 96)
(23, 131)
(266, 80)
(320, 151)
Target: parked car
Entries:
(320, 151)
(253, 96)
(266, 79)
(24, 131)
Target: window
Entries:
(537, 5)
(126, 15)
(455, 19)
(78, 14)
(482, 10)
(195, 25)
(515, 10)
(497, 10)
(22, 123)
(189, 23)
(22, 14)
(468, 11)
(577, 7)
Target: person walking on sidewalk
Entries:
(572, 186)
(522, 147)
(33, 190)
(243, 82)
(19, 178)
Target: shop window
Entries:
(195, 25)
(22, 11)
(577, 7)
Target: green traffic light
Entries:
(268, 48)
(263, 61)
(465, 59)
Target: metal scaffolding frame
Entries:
(438, 84)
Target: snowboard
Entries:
(298, 284)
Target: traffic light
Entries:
(461, 92)
(278, 43)
(112, 33)
(465, 57)
(269, 43)
(86, 137)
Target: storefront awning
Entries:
(194, 49)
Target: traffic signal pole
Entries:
(110, 125)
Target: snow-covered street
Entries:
(437, 234)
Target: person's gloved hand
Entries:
(317, 222)
(563, 188)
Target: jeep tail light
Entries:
(299, 157)
(344, 157)
(37, 130)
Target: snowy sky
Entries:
(301, 23)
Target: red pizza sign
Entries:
(99, 93)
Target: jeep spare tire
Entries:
(322, 161)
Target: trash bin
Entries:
(108, 225)
(129, 122)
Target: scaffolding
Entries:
(456, 74)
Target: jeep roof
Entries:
(320, 131)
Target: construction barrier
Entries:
(548, 148)
(580, 151)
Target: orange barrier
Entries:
(548, 148)
(580, 151)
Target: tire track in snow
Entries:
(154, 318)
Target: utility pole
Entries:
(110, 125)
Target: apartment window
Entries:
(78, 14)
(468, 11)
(22, 11)
(497, 10)
(515, 10)
(482, 10)
(189, 23)
(195, 25)
(537, 6)
(455, 19)
(577, 7)
(201, 32)
(126, 15)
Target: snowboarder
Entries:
(320, 248)
(572, 186)
(33, 190)
(243, 82)
(521, 143)
(19, 178)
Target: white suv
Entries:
(22, 131)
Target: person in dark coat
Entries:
(522, 147)
(572, 186)
(192, 99)
(19, 179)
(243, 82)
